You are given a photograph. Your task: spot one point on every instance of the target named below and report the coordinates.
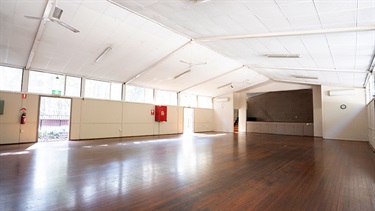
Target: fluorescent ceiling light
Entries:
(199, 1)
(305, 77)
(228, 84)
(182, 74)
(103, 54)
(283, 55)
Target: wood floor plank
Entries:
(213, 171)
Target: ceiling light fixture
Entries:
(283, 56)
(103, 54)
(200, 1)
(228, 84)
(182, 74)
(305, 77)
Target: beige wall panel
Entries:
(138, 113)
(101, 111)
(9, 133)
(74, 131)
(29, 132)
(100, 131)
(203, 120)
(31, 103)
(12, 106)
(137, 129)
(167, 128)
(76, 110)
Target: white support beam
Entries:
(47, 10)
(233, 70)
(158, 62)
(288, 33)
(305, 69)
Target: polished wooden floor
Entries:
(193, 172)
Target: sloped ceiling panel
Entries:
(231, 82)
(17, 32)
(136, 42)
(202, 63)
(339, 51)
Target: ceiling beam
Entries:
(287, 33)
(39, 33)
(370, 71)
(200, 83)
(305, 69)
(315, 83)
(158, 62)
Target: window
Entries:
(139, 94)
(97, 89)
(165, 97)
(116, 91)
(188, 100)
(10, 79)
(46, 83)
(73, 86)
(204, 102)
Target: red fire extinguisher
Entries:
(23, 116)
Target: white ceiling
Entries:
(150, 38)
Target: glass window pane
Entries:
(204, 102)
(73, 86)
(116, 91)
(165, 97)
(139, 94)
(149, 95)
(46, 83)
(135, 94)
(97, 89)
(10, 79)
(188, 100)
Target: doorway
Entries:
(54, 119)
(188, 120)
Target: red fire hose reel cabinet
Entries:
(161, 113)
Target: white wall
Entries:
(223, 114)
(344, 124)
(203, 120)
(242, 110)
(371, 123)
(317, 110)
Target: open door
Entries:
(188, 120)
(54, 119)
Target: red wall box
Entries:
(161, 113)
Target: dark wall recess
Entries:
(286, 106)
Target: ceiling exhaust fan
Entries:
(55, 17)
